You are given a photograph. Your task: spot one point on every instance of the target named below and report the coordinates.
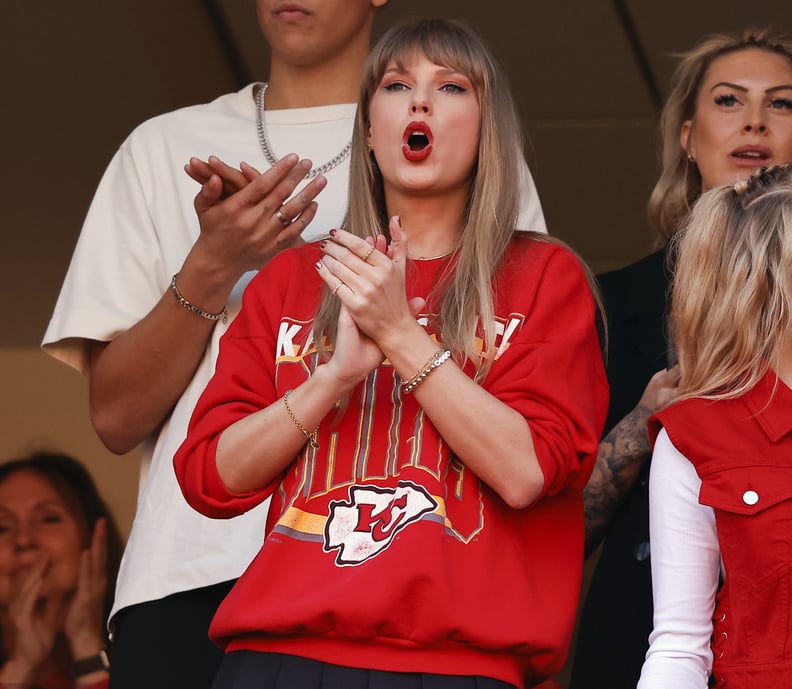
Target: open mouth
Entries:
(752, 154)
(417, 141)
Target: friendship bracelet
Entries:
(407, 383)
(312, 441)
(438, 358)
(221, 315)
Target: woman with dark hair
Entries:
(59, 555)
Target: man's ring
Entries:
(368, 253)
(284, 221)
(335, 289)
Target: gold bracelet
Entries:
(438, 358)
(221, 315)
(312, 440)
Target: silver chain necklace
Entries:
(267, 149)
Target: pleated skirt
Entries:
(254, 670)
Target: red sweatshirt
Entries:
(382, 549)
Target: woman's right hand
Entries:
(34, 622)
(355, 354)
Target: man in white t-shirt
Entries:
(150, 291)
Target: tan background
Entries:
(588, 74)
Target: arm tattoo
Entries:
(621, 454)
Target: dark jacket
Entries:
(617, 614)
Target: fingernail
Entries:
(318, 265)
(332, 233)
(323, 244)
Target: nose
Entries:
(24, 538)
(755, 122)
(420, 103)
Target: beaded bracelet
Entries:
(438, 358)
(221, 315)
(312, 439)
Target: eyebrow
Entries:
(406, 69)
(737, 87)
(729, 85)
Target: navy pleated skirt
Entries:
(254, 670)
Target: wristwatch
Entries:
(85, 666)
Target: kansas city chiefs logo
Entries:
(366, 525)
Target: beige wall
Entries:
(44, 406)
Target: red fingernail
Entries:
(323, 244)
(332, 233)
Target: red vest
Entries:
(742, 451)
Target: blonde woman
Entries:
(721, 480)
(728, 112)
(421, 394)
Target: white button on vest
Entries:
(750, 497)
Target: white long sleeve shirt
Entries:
(686, 569)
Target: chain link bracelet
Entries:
(219, 316)
(312, 437)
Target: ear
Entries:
(378, 3)
(685, 138)
(368, 138)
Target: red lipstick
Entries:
(417, 142)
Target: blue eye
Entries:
(452, 88)
(781, 104)
(726, 99)
(395, 86)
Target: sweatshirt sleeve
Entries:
(552, 371)
(243, 383)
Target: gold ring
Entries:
(284, 221)
(368, 253)
(336, 288)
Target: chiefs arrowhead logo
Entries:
(366, 525)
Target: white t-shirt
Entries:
(137, 233)
(686, 569)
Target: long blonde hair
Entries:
(732, 294)
(493, 204)
(679, 184)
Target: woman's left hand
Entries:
(370, 283)
(84, 623)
